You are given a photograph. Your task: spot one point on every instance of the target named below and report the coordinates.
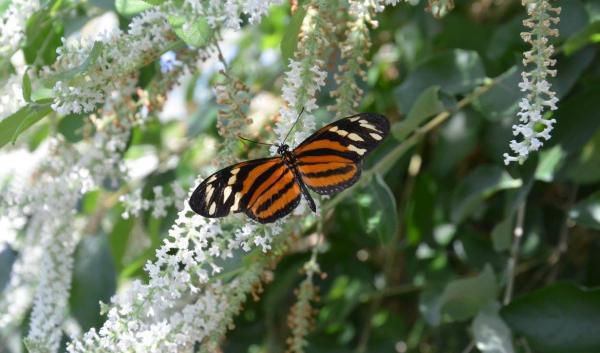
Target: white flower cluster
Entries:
(49, 205)
(12, 23)
(148, 317)
(11, 96)
(228, 12)
(134, 202)
(148, 36)
(534, 128)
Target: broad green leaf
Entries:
(382, 214)
(577, 120)
(4, 4)
(557, 319)
(289, 42)
(129, 8)
(71, 127)
(196, 35)
(26, 87)
(501, 99)
(457, 71)
(155, 2)
(119, 238)
(586, 213)
(427, 105)
(43, 35)
(550, 162)
(585, 168)
(457, 138)
(94, 280)
(462, 299)
(481, 183)
(13, 125)
(502, 234)
(490, 332)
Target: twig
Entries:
(469, 348)
(563, 242)
(514, 253)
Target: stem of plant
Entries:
(514, 253)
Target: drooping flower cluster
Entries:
(534, 128)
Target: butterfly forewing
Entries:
(330, 160)
(231, 189)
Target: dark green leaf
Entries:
(582, 38)
(42, 36)
(586, 213)
(94, 280)
(490, 332)
(71, 127)
(427, 105)
(463, 298)
(197, 35)
(289, 42)
(557, 319)
(481, 183)
(585, 168)
(502, 99)
(457, 71)
(13, 125)
(502, 234)
(382, 216)
(26, 87)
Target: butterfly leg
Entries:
(307, 196)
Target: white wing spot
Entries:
(235, 171)
(236, 202)
(354, 119)
(355, 137)
(209, 192)
(368, 126)
(342, 132)
(212, 178)
(375, 136)
(360, 151)
(226, 193)
(212, 209)
(333, 129)
(231, 180)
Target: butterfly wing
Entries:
(330, 159)
(264, 189)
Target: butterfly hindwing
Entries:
(278, 196)
(231, 189)
(330, 159)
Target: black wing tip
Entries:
(381, 120)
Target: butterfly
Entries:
(268, 189)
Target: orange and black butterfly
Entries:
(267, 189)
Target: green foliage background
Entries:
(413, 261)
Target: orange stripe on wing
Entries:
(322, 167)
(255, 173)
(281, 202)
(324, 159)
(332, 180)
(322, 144)
(267, 183)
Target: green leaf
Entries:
(427, 105)
(481, 183)
(13, 125)
(26, 86)
(577, 120)
(197, 35)
(94, 280)
(462, 299)
(501, 99)
(43, 35)
(502, 234)
(155, 2)
(457, 71)
(382, 215)
(289, 42)
(130, 8)
(4, 4)
(71, 127)
(490, 332)
(557, 319)
(585, 167)
(586, 213)
(550, 162)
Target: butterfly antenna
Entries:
(292, 128)
(259, 143)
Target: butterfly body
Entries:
(267, 189)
